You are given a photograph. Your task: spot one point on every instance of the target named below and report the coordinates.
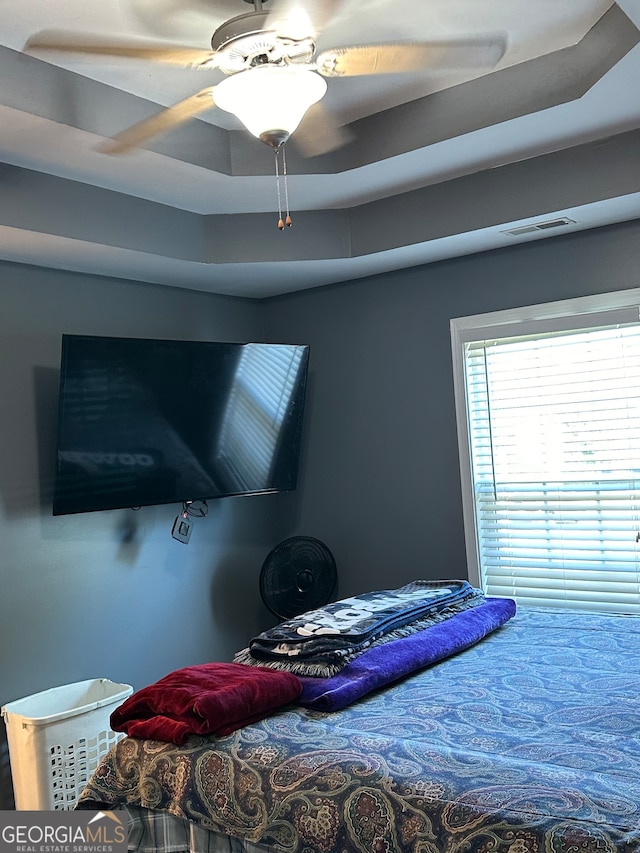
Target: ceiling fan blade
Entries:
(53, 41)
(299, 19)
(319, 133)
(164, 120)
(457, 54)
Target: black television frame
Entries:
(92, 490)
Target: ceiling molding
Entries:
(540, 186)
(440, 169)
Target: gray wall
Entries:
(110, 594)
(380, 482)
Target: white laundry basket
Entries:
(57, 738)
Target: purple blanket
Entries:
(385, 664)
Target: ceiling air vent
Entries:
(540, 226)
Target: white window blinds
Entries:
(554, 443)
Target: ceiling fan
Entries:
(273, 74)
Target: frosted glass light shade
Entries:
(268, 97)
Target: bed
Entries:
(528, 741)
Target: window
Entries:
(548, 407)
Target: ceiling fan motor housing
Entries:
(251, 24)
(246, 40)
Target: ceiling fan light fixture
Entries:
(270, 99)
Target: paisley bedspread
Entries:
(528, 742)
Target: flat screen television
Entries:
(143, 422)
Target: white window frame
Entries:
(584, 311)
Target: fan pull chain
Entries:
(280, 222)
(287, 220)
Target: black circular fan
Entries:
(298, 575)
